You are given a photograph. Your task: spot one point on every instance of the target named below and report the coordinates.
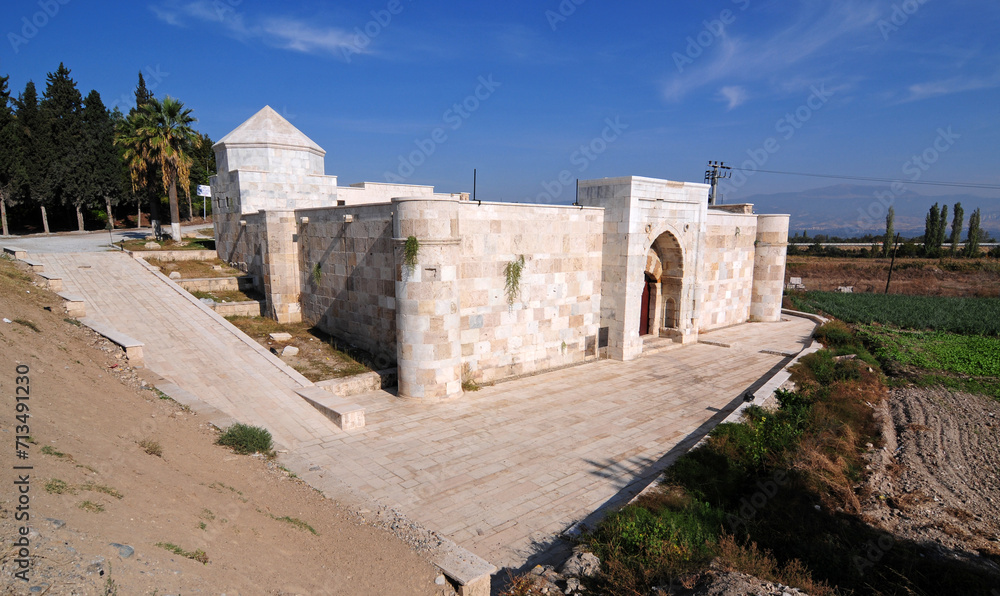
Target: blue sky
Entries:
(529, 92)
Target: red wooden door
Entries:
(644, 310)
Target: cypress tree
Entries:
(975, 235)
(956, 228)
(33, 138)
(930, 229)
(890, 232)
(942, 230)
(102, 167)
(62, 106)
(11, 161)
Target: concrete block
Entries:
(51, 282)
(282, 337)
(132, 346)
(75, 306)
(18, 253)
(345, 415)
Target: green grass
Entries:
(151, 447)
(50, 450)
(935, 350)
(245, 439)
(973, 316)
(298, 523)
(198, 555)
(58, 487)
(28, 324)
(100, 488)
(91, 507)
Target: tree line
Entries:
(936, 233)
(63, 154)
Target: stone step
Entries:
(656, 345)
(17, 253)
(75, 306)
(345, 415)
(132, 346)
(51, 282)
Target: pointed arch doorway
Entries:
(663, 277)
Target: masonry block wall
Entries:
(555, 319)
(728, 268)
(352, 294)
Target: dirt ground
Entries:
(935, 482)
(97, 530)
(910, 276)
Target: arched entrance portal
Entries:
(662, 287)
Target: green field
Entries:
(970, 316)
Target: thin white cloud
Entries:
(766, 59)
(950, 86)
(734, 95)
(280, 32)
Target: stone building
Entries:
(637, 264)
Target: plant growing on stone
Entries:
(317, 273)
(512, 279)
(410, 251)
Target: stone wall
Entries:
(728, 267)
(354, 298)
(554, 320)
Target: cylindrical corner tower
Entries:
(428, 336)
(770, 251)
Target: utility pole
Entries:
(892, 263)
(717, 170)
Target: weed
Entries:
(50, 450)
(198, 555)
(58, 487)
(151, 447)
(512, 279)
(411, 250)
(110, 588)
(28, 324)
(207, 514)
(468, 382)
(317, 273)
(201, 525)
(298, 523)
(100, 488)
(91, 507)
(288, 472)
(245, 439)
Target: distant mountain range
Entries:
(848, 210)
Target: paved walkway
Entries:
(501, 471)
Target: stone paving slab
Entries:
(501, 471)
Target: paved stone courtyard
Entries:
(500, 471)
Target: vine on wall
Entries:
(512, 279)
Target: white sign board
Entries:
(204, 191)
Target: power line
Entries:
(870, 179)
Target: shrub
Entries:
(835, 334)
(245, 439)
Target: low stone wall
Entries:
(252, 308)
(174, 255)
(217, 284)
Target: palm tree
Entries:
(160, 134)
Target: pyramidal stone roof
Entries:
(268, 128)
